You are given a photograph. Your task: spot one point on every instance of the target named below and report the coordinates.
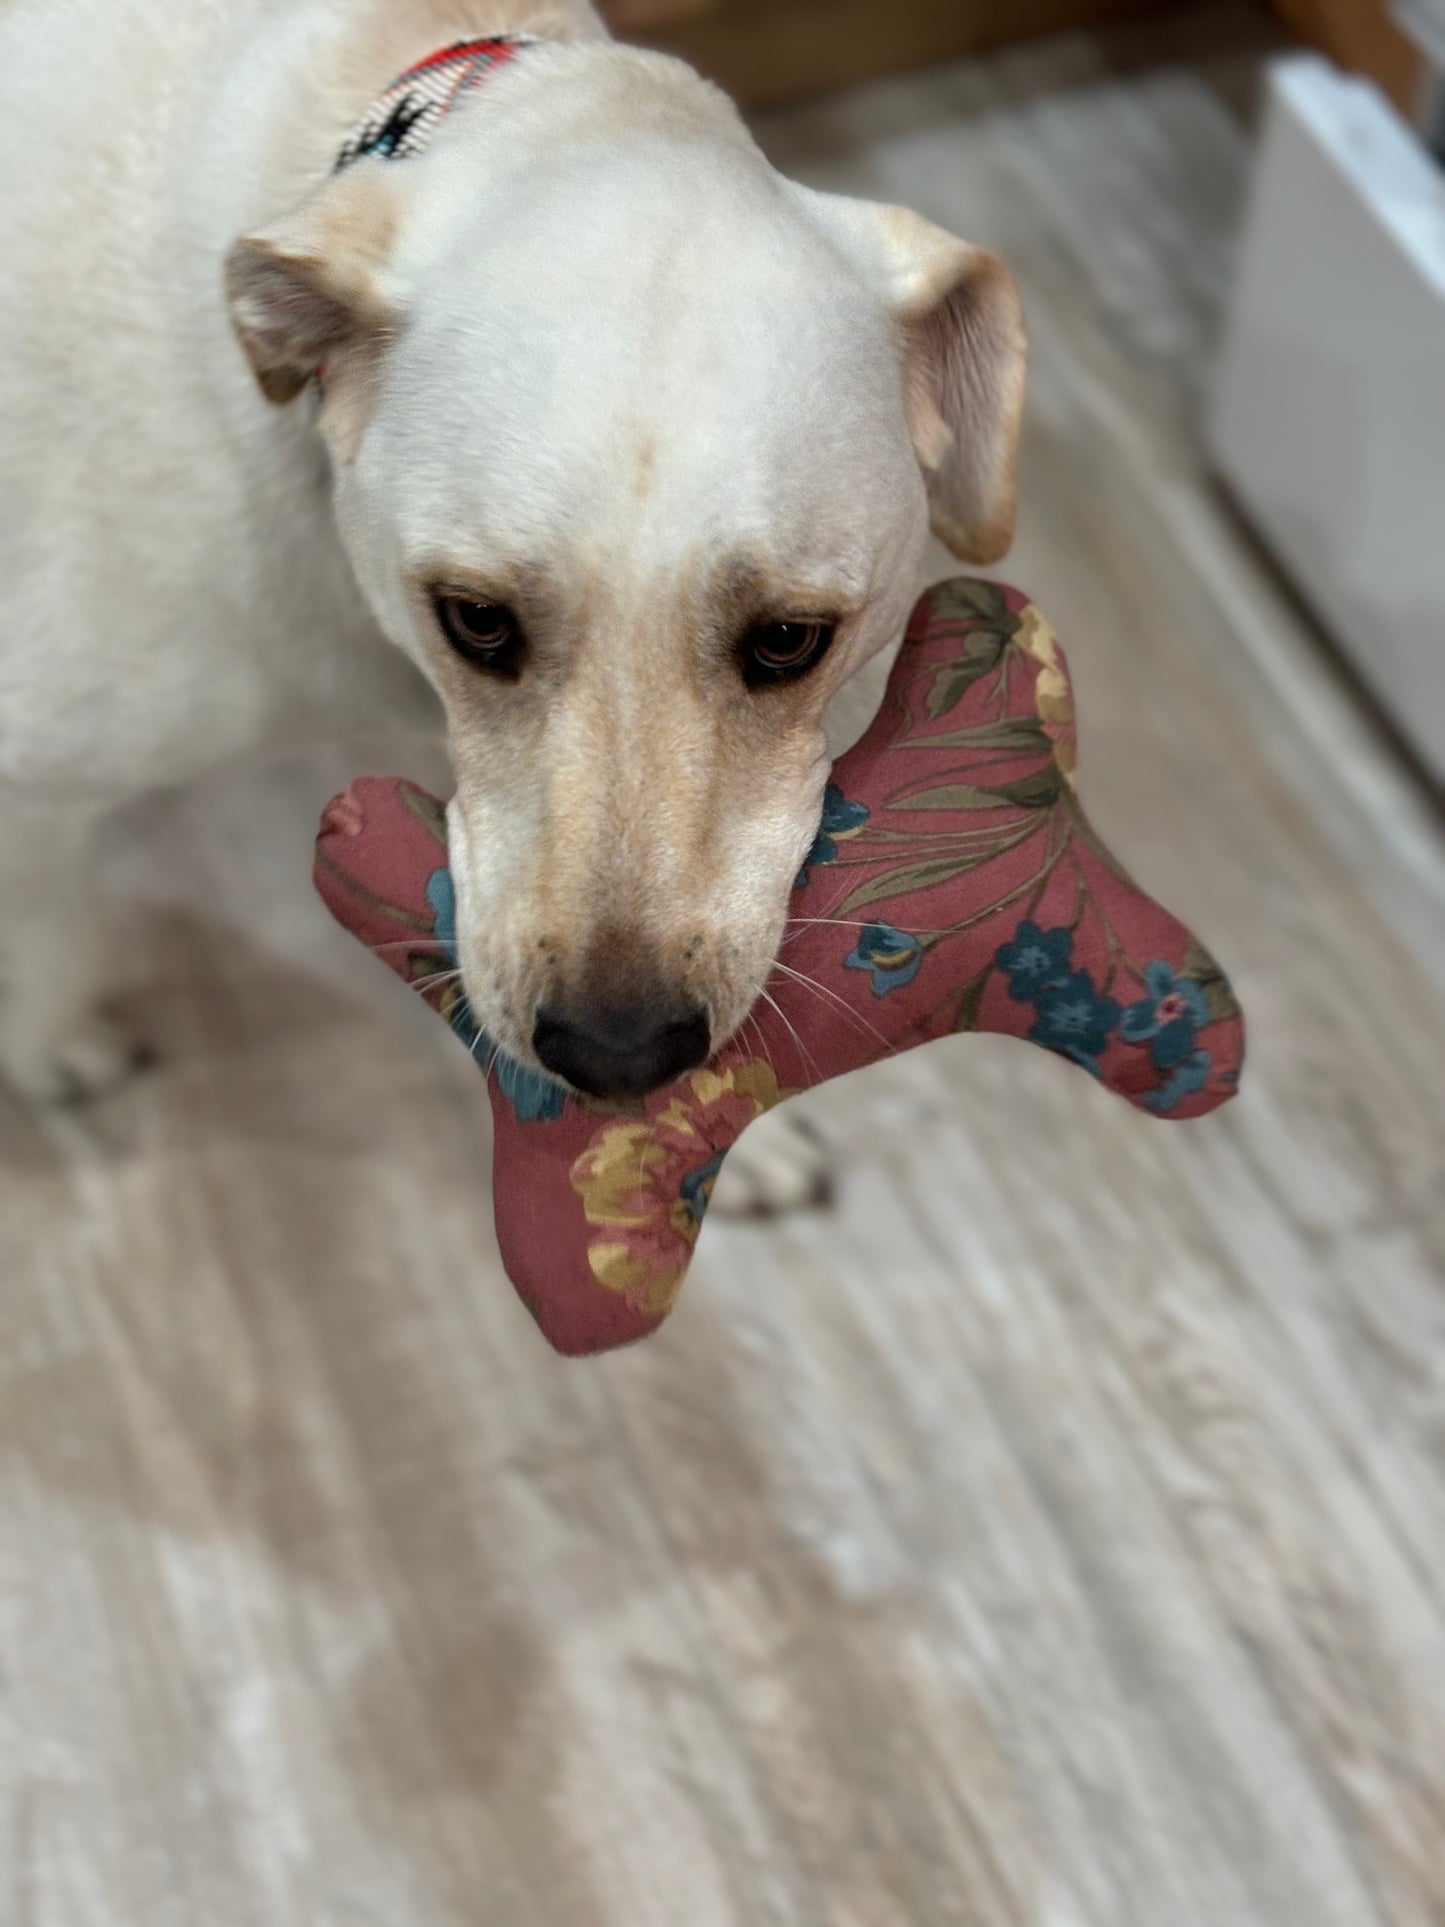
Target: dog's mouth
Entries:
(618, 1058)
(611, 1021)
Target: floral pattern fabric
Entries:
(891, 957)
(842, 817)
(647, 1181)
(954, 884)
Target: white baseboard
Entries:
(1328, 416)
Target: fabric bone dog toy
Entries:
(955, 885)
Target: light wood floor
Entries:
(1052, 1534)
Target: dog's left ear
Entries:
(961, 329)
(313, 291)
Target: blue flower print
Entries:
(695, 1193)
(1034, 960)
(841, 818)
(1187, 1078)
(893, 957)
(1074, 1019)
(531, 1095)
(1167, 1018)
(458, 1013)
(441, 896)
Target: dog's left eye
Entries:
(484, 633)
(775, 652)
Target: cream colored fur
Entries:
(589, 353)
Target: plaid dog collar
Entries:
(403, 120)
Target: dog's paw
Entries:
(94, 1056)
(779, 1164)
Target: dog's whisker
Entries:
(822, 990)
(803, 1051)
(843, 923)
(424, 985)
(795, 927)
(480, 1037)
(757, 1028)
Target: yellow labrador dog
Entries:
(579, 414)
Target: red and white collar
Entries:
(402, 121)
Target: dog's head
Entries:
(636, 446)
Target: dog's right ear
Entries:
(314, 291)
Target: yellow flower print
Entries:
(645, 1182)
(1053, 695)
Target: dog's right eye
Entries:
(484, 633)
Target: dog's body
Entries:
(718, 438)
(173, 592)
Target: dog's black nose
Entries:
(621, 1050)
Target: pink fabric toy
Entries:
(956, 886)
